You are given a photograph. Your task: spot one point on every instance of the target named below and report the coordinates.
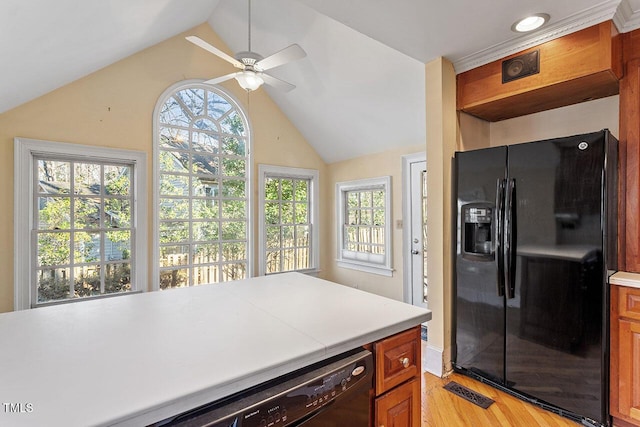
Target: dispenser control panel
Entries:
(478, 231)
(478, 215)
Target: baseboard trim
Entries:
(432, 361)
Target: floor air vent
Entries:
(468, 394)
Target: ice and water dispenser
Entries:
(477, 231)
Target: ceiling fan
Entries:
(252, 64)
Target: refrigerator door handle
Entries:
(499, 223)
(509, 239)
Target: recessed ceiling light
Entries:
(530, 23)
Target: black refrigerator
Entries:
(535, 232)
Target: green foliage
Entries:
(92, 183)
(117, 180)
(117, 279)
(233, 124)
(56, 213)
(53, 285)
(173, 279)
(203, 204)
(54, 249)
(286, 206)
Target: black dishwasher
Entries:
(335, 392)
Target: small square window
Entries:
(364, 225)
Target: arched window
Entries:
(202, 167)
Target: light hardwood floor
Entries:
(441, 408)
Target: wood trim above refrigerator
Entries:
(578, 67)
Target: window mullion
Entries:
(35, 230)
(294, 224)
(72, 222)
(103, 234)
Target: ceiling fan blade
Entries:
(220, 79)
(288, 54)
(277, 83)
(203, 44)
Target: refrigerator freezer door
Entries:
(554, 322)
(479, 302)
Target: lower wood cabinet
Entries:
(625, 356)
(400, 407)
(397, 380)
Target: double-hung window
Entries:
(364, 225)
(288, 207)
(77, 210)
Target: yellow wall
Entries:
(388, 163)
(442, 135)
(113, 107)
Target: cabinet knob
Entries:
(405, 362)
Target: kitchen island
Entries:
(137, 359)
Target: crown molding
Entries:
(587, 18)
(626, 18)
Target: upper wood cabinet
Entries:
(578, 67)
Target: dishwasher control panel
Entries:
(287, 399)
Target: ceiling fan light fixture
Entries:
(530, 23)
(252, 64)
(249, 80)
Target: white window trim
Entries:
(314, 193)
(24, 150)
(155, 251)
(376, 264)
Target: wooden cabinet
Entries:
(629, 152)
(397, 380)
(625, 355)
(400, 407)
(578, 67)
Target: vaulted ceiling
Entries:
(361, 87)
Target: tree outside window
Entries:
(203, 190)
(288, 207)
(364, 225)
(83, 223)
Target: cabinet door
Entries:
(629, 302)
(629, 369)
(400, 407)
(397, 359)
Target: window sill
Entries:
(89, 298)
(314, 272)
(365, 267)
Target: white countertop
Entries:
(136, 359)
(622, 278)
